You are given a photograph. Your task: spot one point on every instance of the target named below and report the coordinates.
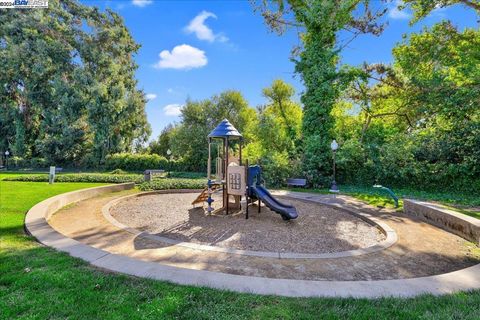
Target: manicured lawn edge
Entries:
(38, 282)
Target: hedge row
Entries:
(187, 175)
(141, 162)
(165, 184)
(80, 177)
(123, 161)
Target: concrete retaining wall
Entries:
(449, 220)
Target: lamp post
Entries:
(7, 153)
(169, 154)
(334, 147)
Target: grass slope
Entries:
(39, 283)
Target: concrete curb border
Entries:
(390, 234)
(36, 224)
(449, 220)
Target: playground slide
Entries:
(286, 211)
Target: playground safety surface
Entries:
(421, 249)
(318, 229)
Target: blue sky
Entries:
(196, 49)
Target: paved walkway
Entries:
(421, 249)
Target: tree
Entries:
(199, 118)
(68, 90)
(320, 22)
(277, 134)
(441, 65)
(162, 144)
(417, 120)
(117, 110)
(422, 8)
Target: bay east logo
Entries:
(15, 4)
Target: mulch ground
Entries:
(318, 229)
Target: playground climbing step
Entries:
(203, 196)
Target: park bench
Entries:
(148, 174)
(57, 170)
(296, 182)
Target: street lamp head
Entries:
(334, 145)
(7, 153)
(169, 152)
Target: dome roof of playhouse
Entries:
(225, 130)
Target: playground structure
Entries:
(234, 179)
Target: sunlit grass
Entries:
(377, 197)
(37, 282)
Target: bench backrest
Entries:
(153, 171)
(147, 175)
(297, 182)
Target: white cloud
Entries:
(201, 30)
(141, 3)
(150, 96)
(182, 57)
(173, 109)
(396, 13)
(222, 38)
(170, 90)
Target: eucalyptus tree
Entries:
(67, 87)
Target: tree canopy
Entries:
(68, 88)
(199, 118)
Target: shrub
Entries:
(165, 184)
(187, 175)
(276, 168)
(141, 162)
(118, 171)
(80, 177)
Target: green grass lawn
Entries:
(39, 283)
(462, 202)
(475, 212)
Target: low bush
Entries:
(80, 177)
(135, 162)
(118, 171)
(142, 162)
(187, 175)
(167, 183)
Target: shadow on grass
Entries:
(58, 286)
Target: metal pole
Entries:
(240, 156)
(334, 173)
(226, 170)
(334, 187)
(209, 166)
(246, 189)
(209, 184)
(240, 163)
